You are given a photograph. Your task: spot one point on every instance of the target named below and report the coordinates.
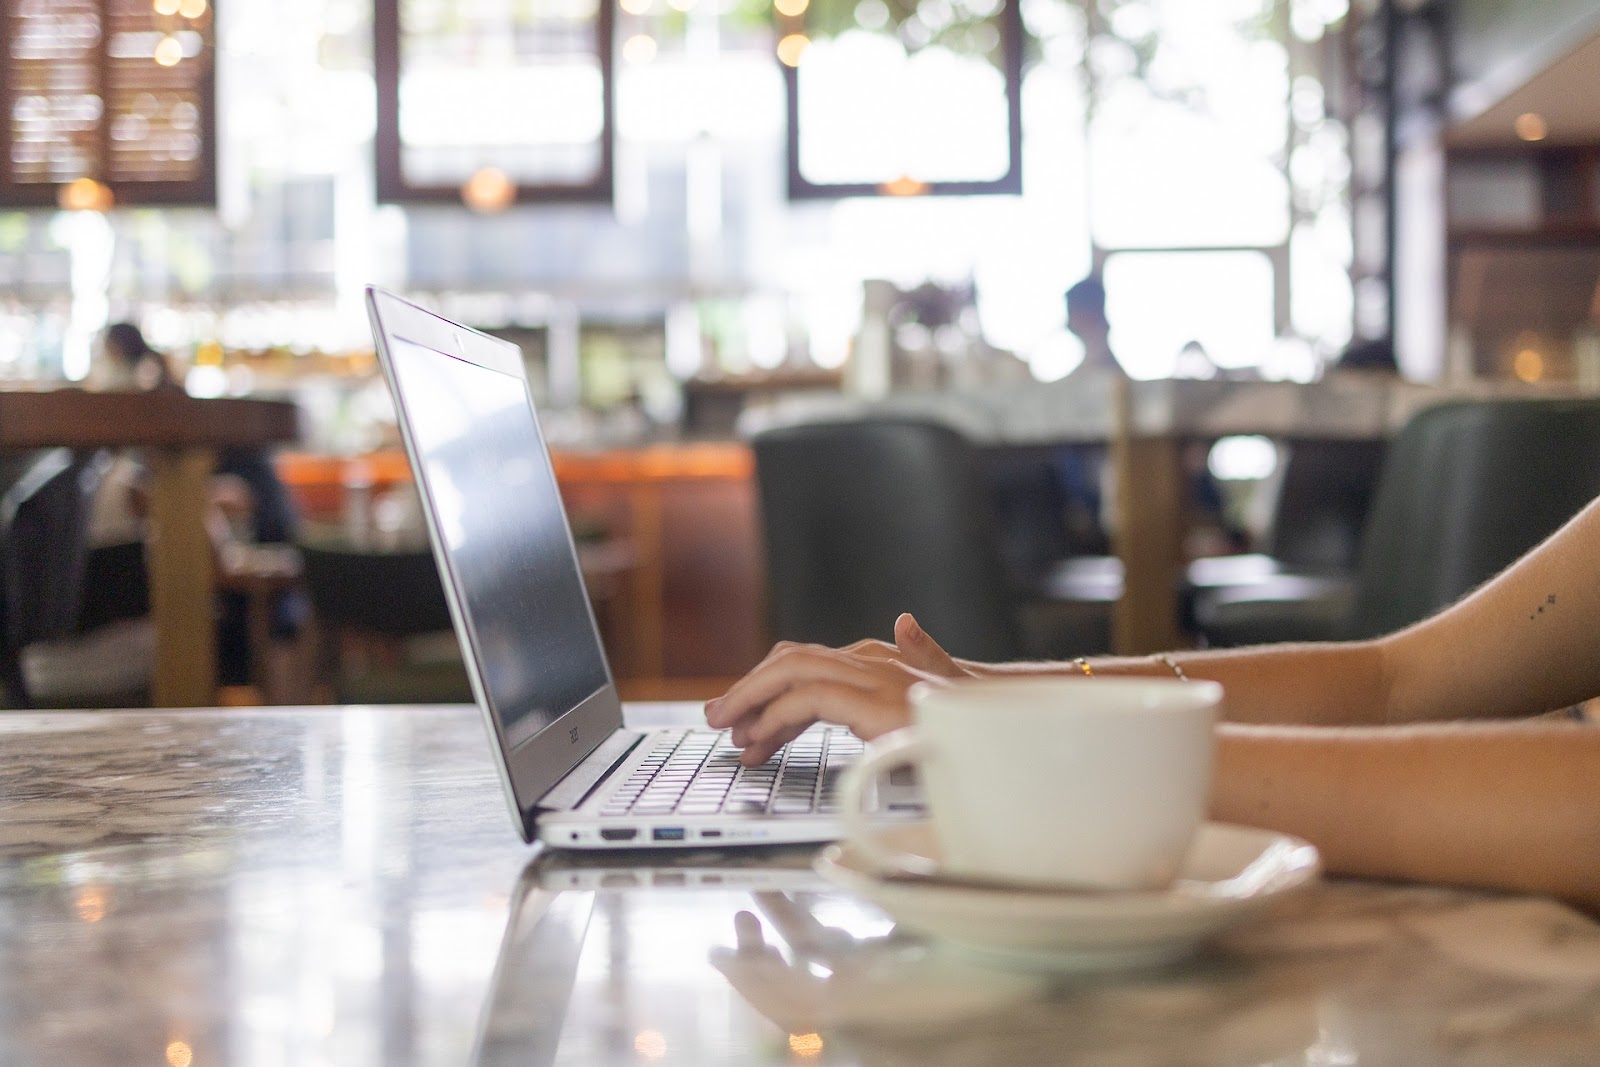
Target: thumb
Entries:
(921, 652)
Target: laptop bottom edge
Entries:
(577, 831)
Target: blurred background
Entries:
(687, 211)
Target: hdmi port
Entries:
(619, 833)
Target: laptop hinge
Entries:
(581, 780)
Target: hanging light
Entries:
(1531, 126)
(791, 48)
(169, 51)
(85, 194)
(905, 185)
(489, 190)
(640, 48)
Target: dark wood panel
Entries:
(111, 90)
(79, 419)
(712, 580)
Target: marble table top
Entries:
(343, 886)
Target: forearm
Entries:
(1508, 806)
(1334, 684)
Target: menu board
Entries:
(122, 91)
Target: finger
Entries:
(793, 921)
(739, 736)
(800, 665)
(867, 713)
(778, 649)
(756, 752)
(872, 648)
(719, 714)
(921, 651)
(747, 932)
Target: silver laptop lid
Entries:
(501, 539)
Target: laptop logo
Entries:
(572, 735)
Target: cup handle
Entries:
(902, 747)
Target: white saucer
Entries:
(1230, 872)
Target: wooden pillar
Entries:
(182, 579)
(649, 602)
(1150, 516)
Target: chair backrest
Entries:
(1468, 487)
(866, 519)
(394, 594)
(1323, 503)
(44, 531)
(45, 499)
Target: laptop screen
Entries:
(501, 522)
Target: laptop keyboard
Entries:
(697, 772)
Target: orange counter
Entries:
(688, 615)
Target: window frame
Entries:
(1009, 19)
(391, 183)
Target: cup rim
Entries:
(1173, 694)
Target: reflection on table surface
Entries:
(1346, 974)
(343, 886)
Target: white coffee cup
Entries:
(1089, 783)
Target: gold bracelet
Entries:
(1083, 665)
(1170, 662)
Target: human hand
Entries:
(894, 981)
(862, 686)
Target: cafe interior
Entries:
(1076, 328)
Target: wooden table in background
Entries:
(180, 435)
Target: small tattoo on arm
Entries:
(1549, 601)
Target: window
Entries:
(493, 101)
(1218, 184)
(902, 99)
(1186, 314)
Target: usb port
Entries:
(710, 833)
(618, 833)
(667, 833)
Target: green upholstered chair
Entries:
(1466, 488)
(867, 518)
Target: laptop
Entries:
(577, 773)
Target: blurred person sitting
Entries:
(1081, 469)
(247, 502)
(130, 363)
(1373, 356)
(1086, 319)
